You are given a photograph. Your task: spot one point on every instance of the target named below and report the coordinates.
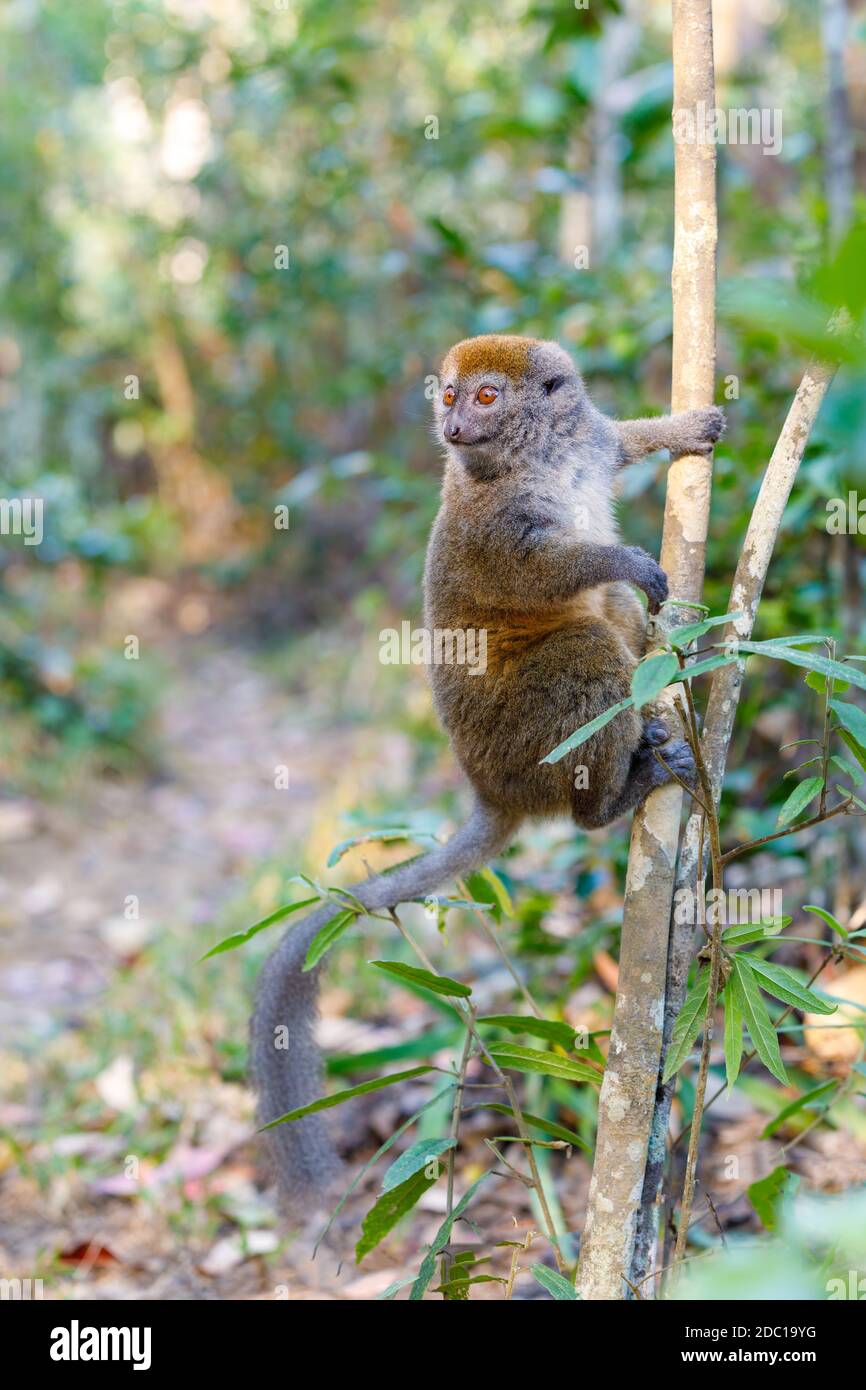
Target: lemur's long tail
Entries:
(289, 1077)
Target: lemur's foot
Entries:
(677, 757)
(698, 430)
(656, 732)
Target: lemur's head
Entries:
(506, 401)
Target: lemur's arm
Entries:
(689, 432)
(538, 564)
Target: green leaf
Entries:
(754, 1011)
(538, 1122)
(239, 938)
(799, 799)
(420, 1155)
(391, 1206)
(853, 747)
(700, 668)
(328, 935)
(397, 835)
(783, 984)
(421, 1045)
(847, 769)
(328, 1102)
(733, 1035)
(803, 1102)
(551, 1031)
(852, 718)
(792, 772)
(501, 895)
(783, 651)
(439, 901)
(439, 984)
(651, 676)
(532, 1059)
(556, 1284)
(827, 917)
(586, 731)
(682, 636)
(688, 1024)
(754, 931)
(441, 1239)
(816, 681)
(767, 1194)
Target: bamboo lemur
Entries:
(526, 547)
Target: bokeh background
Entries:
(236, 238)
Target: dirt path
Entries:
(184, 843)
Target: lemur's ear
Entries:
(553, 383)
(553, 366)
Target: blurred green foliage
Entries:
(272, 219)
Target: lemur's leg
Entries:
(644, 774)
(689, 432)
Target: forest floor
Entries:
(113, 1050)
(128, 1163)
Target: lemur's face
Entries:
(501, 398)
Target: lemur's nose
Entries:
(452, 430)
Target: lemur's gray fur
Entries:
(525, 547)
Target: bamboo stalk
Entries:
(626, 1103)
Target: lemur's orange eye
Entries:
(486, 395)
(448, 397)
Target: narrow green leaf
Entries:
(556, 1284)
(816, 681)
(439, 984)
(586, 731)
(498, 888)
(441, 1239)
(792, 772)
(421, 1045)
(651, 675)
(538, 1122)
(799, 800)
(827, 917)
(766, 1195)
(551, 1031)
(754, 931)
(699, 668)
(420, 1155)
(383, 1217)
(733, 1035)
(328, 935)
(328, 1102)
(231, 943)
(783, 651)
(803, 1102)
(682, 636)
(689, 1021)
(397, 835)
(532, 1059)
(847, 769)
(754, 1011)
(783, 984)
(853, 747)
(852, 718)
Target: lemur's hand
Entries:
(697, 430)
(648, 575)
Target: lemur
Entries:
(525, 547)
